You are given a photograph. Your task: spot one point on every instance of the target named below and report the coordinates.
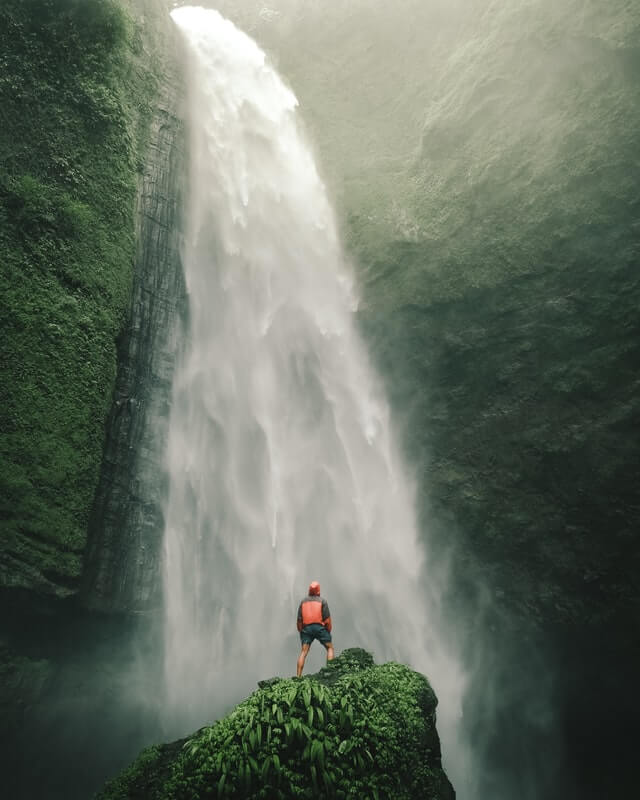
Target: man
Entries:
(314, 622)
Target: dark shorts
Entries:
(315, 631)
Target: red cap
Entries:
(314, 587)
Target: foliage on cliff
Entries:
(353, 730)
(75, 99)
(514, 300)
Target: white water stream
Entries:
(282, 462)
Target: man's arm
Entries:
(326, 616)
(299, 622)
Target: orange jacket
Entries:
(313, 609)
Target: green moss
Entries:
(143, 779)
(76, 108)
(355, 730)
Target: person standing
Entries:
(314, 622)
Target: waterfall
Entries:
(282, 461)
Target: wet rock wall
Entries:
(122, 560)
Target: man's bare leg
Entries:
(329, 649)
(302, 658)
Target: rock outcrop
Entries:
(352, 730)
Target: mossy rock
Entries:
(77, 103)
(353, 730)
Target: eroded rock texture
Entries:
(122, 561)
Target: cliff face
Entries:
(122, 558)
(516, 305)
(352, 730)
(506, 319)
(80, 208)
(91, 284)
(66, 197)
(86, 101)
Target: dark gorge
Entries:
(484, 164)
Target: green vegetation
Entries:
(354, 730)
(144, 778)
(76, 104)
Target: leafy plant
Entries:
(349, 732)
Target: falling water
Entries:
(282, 463)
